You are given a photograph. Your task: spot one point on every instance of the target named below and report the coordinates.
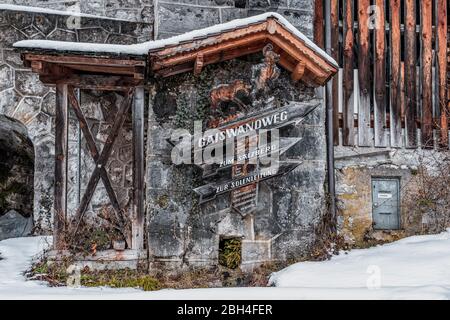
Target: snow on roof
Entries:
(145, 47)
(13, 7)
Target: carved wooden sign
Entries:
(244, 176)
(209, 191)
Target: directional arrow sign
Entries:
(271, 119)
(209, 191)
(281, 147)
(293, 113)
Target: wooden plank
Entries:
(77, 59)
(426, 73)
(395, 83)
(199, 62)
(318, 23)
(364, 107)
(94, 82)
(335, 55)
(298, 72)
(348, 135)
(61, 145)
(380, 77)
(90, 143)
(441, 62)
(102, 159)
(137, 241)
(410, 74)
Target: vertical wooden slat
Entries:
(363, 74)
(395, 83)
(380, 77)
(410, 74)
(441, 55)
(426, 73)
(402, 99)
(348, 138)
(318, 23)
(60, 191)
(137, 241)
(335, 56)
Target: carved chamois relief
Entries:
(228, 92)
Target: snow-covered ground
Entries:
(413, 268)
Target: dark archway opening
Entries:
(16, 179)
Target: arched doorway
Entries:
(16, 179)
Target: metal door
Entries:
(385, 203)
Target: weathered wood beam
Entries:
(160, 63)
(441, 56)
(293, 52)
(334, 19)
(318, 23)
(348, 129)
(426, 72)
(410, 74)
(90, 142)
(299, 71)
(75, 59)
(61, 154)
(286, 36)
(395, 80)
(94, 82)
(206, 42)
(137, 240)
(380, 76)
(199, 61)
(102, 159)
(117, 70)
(364, 136)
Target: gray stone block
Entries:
(179, 18)
(13, 225)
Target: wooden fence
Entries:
(392, 89)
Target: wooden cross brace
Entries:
(99, 159)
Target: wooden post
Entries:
(60, 192)
(137, 241)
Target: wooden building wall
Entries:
(392, 90)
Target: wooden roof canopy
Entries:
(124, 68)
(295, 55)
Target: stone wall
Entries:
(183, 233)
(25, 98)
(173, 17)
(127, 10)
(16, 179)
(355, 169)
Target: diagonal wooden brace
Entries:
(103, 158)
(93, 148)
